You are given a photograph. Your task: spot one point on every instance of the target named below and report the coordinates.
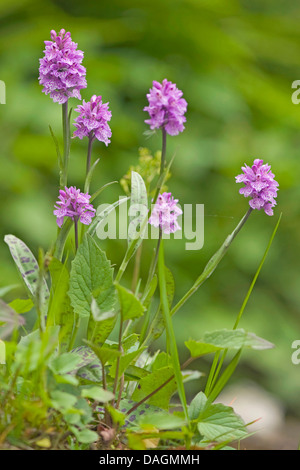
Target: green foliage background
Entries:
(235, 61)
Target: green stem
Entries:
(163, 151)
(76, 233)
(130, 249)
(118, 359)
(212, 263)
(154, 263)
(89, 155)
(214, 372)
(61, 239)
(75, 331)
(162, 164)
(137, 266)
(170, 330)
(66, 139)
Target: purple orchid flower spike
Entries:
(165, 213)
(166, 107)
(61, 72)
(260, 185)
(93, 120)
(74, 204)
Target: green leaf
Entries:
(88, 178)
(117, 416)
(28, 268)
(188, 375)
(130, 341)
(62, 401)
(125, 361)
(138, 205)
(171, 339)
(212, 263)
(2, 352)
(35, 349)
(103, 215)
(197, 405)
(66, 362)
(97, 393)
(161, 359)
(135, 373)
(66, 379)
(136, 441)
(226, 339)
(58, 153)
(158, 323)
(98, 315)
(100, 324)
(161, 420)
(62, 237)
(99, 191)
(86, 436)
(89, 367)
(9, 320)
(126, 405)
(148, 294)
(91, 277)
(60, 311)
(4, 290)
(218, 422)
(106, 352)
(199, 348)
(222, 381)
(151, 382)
(98, 331)
(92, 372)
(86, 356)
(21, 305)
(130, 306)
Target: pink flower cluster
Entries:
(74, 204)
(260, 185)
(166, 107)
(92, 120)
(61, 72)
(165, 213)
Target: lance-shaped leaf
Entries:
(28, 268)
(9, 320)
(102, 215)
(60, 311)
(158, 323)
(226, 339)
(91, 277)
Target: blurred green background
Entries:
(235, 62)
